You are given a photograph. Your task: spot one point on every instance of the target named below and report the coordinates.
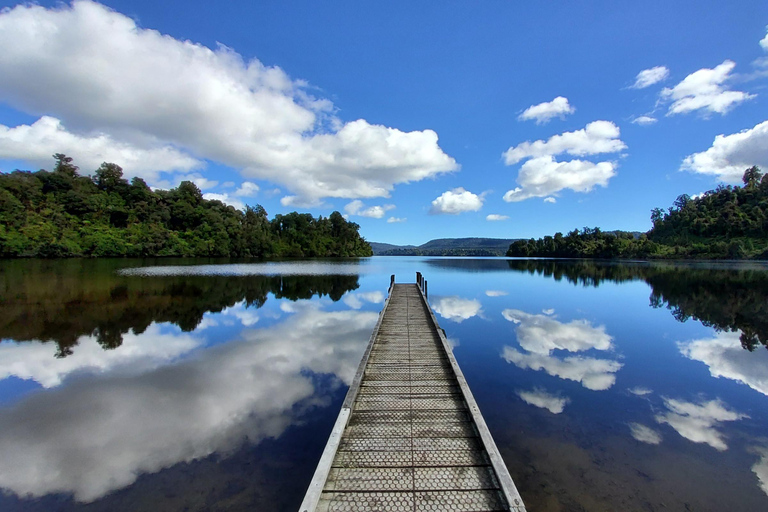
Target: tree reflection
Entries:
(722, 297)
(61, 301)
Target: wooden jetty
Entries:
(410, 435)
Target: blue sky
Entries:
(418, 120)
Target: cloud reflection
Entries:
(541, 335)
(540, 398)
(356, 300)
(699, 422)
(138, 353)
(644, 434)
(97, 434)
(456, 309)
(726, 358)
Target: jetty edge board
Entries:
(412, 352)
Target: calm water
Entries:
(198, 385)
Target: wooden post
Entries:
(391, 281)
(425, 288)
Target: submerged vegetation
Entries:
(730, 222)
(63, 214)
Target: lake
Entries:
(206, 385)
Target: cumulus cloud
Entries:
(247, 189)
(540, 398)
(764, 43)
(550, 200)
(640, 391)
(357, 207)
(496, 293)
(592, 373)
(456, 309)
(98, 434)
(644, 434)
(644, 120)
(648, 77)
(456, 201)
(544, 112)
(494, 217)
(393, 220)
(597, 137)
(541, 175)
(705, 90)
(225, 198)
(37, 142)
(541, 334)
(699, 422)
(159, 93)
(730, 155)
(726, 358)
(138, 353)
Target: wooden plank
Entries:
(410, 435)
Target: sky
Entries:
(417, 120)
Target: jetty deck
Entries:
(410, 435)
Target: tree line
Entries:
(63, 214)
(729, 222)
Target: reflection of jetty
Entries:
(410, 435)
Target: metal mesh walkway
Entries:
(410, 438)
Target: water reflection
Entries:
(544, 400)
(98, 433)
(725, 358)
(456, 309)
(644, 433)
(699, 422)
(725, 297)
(59, 304)
(541, 335)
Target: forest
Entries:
(730, 222)
(63, 214)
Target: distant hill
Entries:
(447, 247)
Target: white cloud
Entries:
(548, 311)
(357, 207)
(456, 201)
(137, 353)
(249, 389)
(544, 112)
(648, 77)
(248, 317)
(541, 334)
(225, 198)
(456, 309)
(644, 120)
(133, 84)
(726, 358)
(764, 43)
(705, 90)
(393, 220)
(730, 155)
(644, 434)
(597, 137)
(247, 189)
(540, 398)
(496, 293)
(37, 142)
(550, 200)
(640, 391)
(594, 374)
(493, 217)
(699, 422)
(543, 176)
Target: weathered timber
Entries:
(410, 435)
